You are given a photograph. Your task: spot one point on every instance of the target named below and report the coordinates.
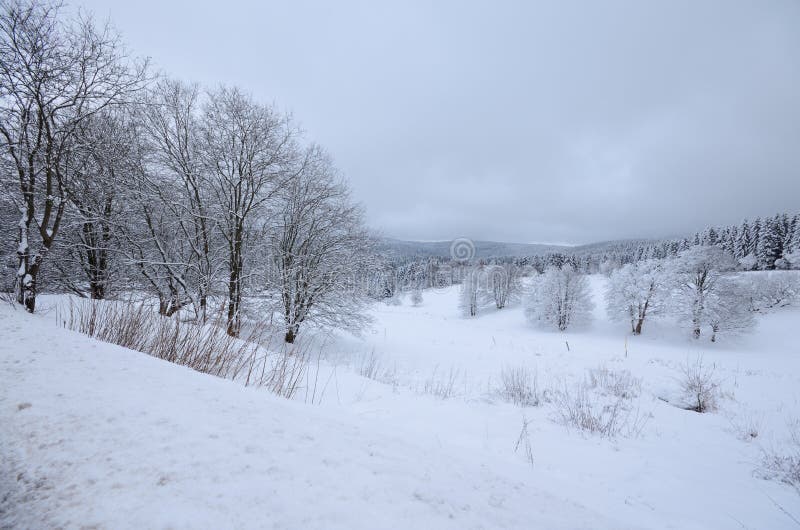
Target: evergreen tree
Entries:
(755, 237)
(770, 243)
(745, 243)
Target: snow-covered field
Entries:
(93, 435)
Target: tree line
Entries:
(703, 288)
(116, 179)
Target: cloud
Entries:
(517, 121)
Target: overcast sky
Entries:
(515, 121)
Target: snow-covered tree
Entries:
(247, 151)
(727, 309)
(503, 284)
(54, 75)
(696, 276)
(95, 188)
(171, 121)
(771, 289)
(770, 247)
(635, 292)
(320, 249)
(560, 299)
(469, 293)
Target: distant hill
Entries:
(489, 249)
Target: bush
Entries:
(700, 386)
(519, 385)
(585, 407)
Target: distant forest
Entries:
(767, 243)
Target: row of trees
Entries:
(486, 285)
(700, 287)
(761, 244)
(697, 287)
(116, 179)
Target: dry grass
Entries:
(441, 386)
(205, 348)
(601, 404)
(519, 385)
(783, 464)
(617, 383)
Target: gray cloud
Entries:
(517, 121)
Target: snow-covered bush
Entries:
(519, 385)
(560, 298)
(580, 406)
(701, 388)
(747, 428)
(635, 292)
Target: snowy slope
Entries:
(93, 435)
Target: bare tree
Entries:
(102, 159)
(504, 284)
(247, 150)
(321, 250)
(53, 76)
(174, 141)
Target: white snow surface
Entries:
(94, 435)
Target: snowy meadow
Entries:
(429, 416)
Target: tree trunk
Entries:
(97, 290)
(638, 329)
(27, 292)
(235, 282)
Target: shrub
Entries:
(519, 385)
(700, 386)
(601, 403)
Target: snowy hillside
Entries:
(96, 435)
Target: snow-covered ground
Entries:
(93, 435)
